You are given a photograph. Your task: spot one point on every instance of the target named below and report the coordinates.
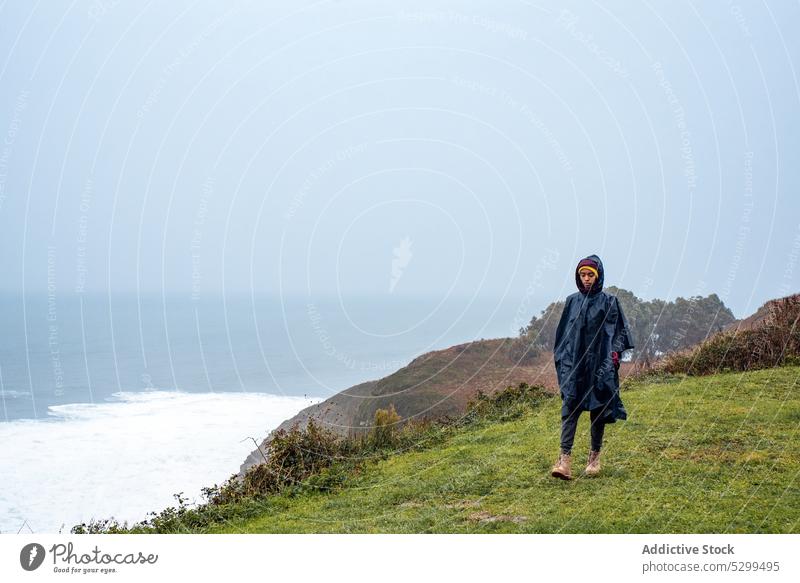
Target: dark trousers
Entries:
(570, 423)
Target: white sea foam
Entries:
(126, 457)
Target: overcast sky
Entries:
(436, 148)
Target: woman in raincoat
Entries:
(590, 338)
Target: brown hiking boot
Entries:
(562, 467)
(593, 466)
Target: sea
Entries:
(111, 405)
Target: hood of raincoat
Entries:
(598, 283)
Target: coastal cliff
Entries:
(434, 384)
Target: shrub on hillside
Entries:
(774, 342)
(507, 404)
(291, 457)
(385, 429)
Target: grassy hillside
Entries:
(701, 454)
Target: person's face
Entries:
(587, 278)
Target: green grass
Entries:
(701, 454)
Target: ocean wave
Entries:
(126, 457)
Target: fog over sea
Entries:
(110, 405)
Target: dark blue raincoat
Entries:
(592, 326)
